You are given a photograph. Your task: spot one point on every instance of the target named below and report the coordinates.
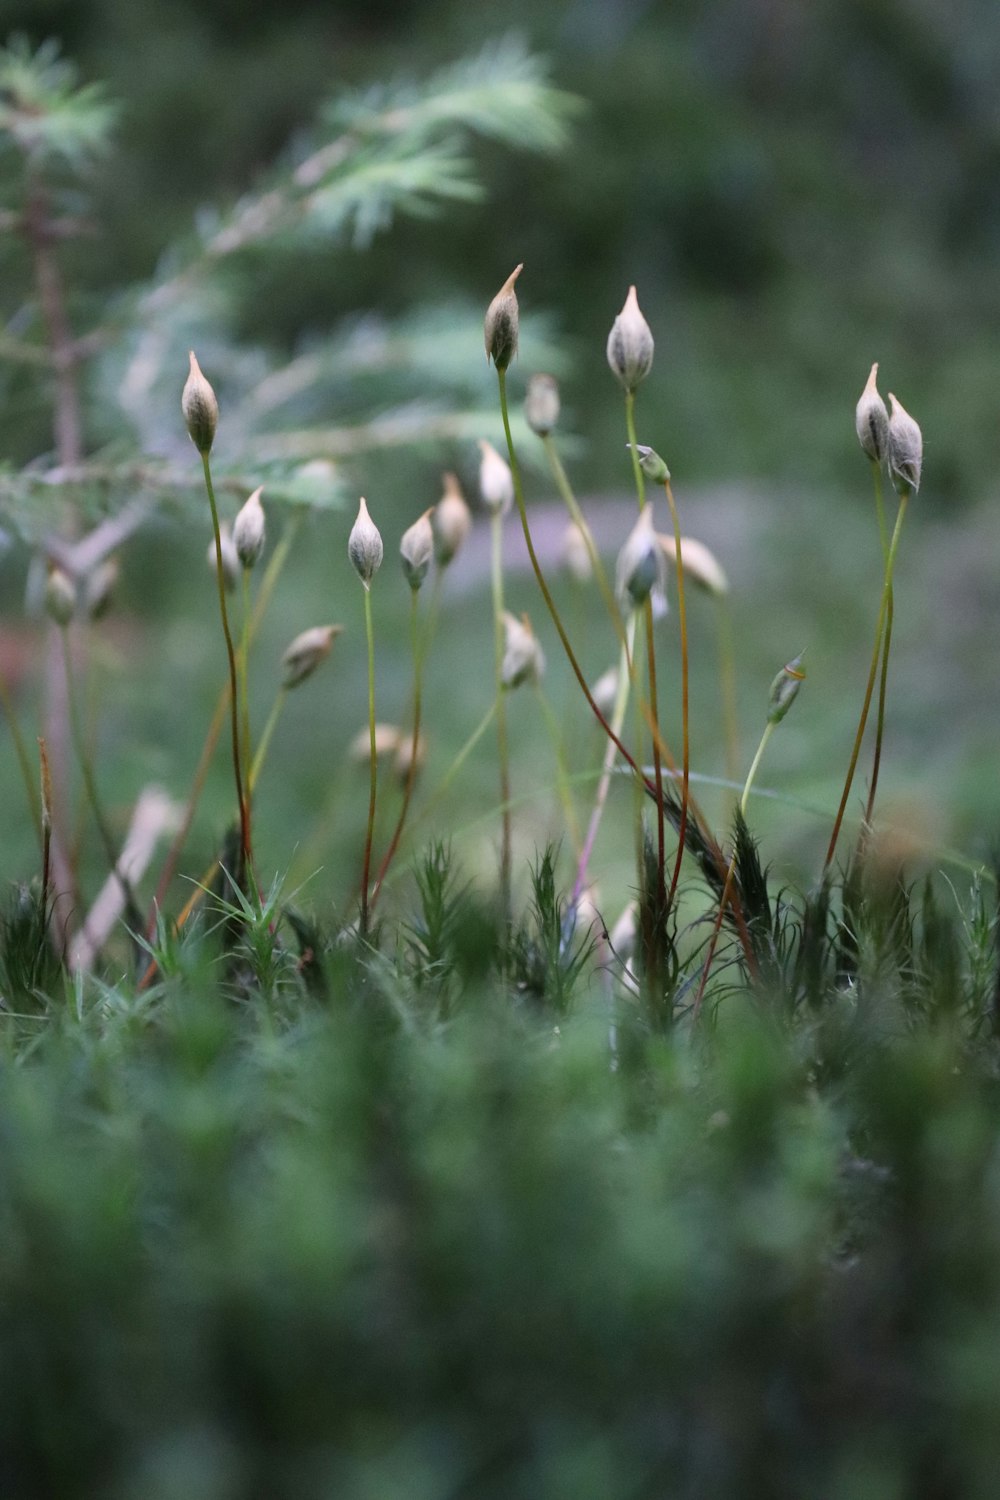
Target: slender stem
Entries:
(204, 884)
(90, 784)
(546, 594)
(752, 773)
(613, 735)
(569, 500)
(278, 559)
(883, 533)
(661, 882)
(27, 775)
(715, 851)
(887, 586)
(418, 649)
(243, 659)
(651, 714)
(246, 851)
(618, 712)
(373, 775)
(459, 760)
(727, 680)
(260, 754)
(880, 714)
(685, 717)
(710, 955)
(46, 821)
(640, 478)
(562, 773)
(496, 577)
(201, 890)
(886, 646)
(640, 711)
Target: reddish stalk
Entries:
(268, 583)
(547, 596)
(246, 852)
(685, 726)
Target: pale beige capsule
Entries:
(306, 652)
(500, 326)
(630, 344)
(871, 420)
(641, 564)
(416, 550)
(906, 449)
(699, 563)
(364, 545)
(249, 529)
(451, 521)
(200, 408)
(496, 483)
(523, 659)
(541, 404)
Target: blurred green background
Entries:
(796, 190)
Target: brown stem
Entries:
(411, 771)
(661, 880)
(246, 852)
(685, 724)
(547, 596)
(883, 682)
(870, 686)
(278, 559)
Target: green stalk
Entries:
(883, 609)
(661, 881)
(546, 593)
(562, 773)
(613, 734)
(204, 884)
(418, 649)
(243, 662)
(886, 646)
(46, 821)
(268, 584)
(496, 575)
(245, 841)
(459, 760)
(569, 500)
(617, 720)
(710, 955)
(366, 866)
(727, 680)
(640, 478)
(27, 776)
(685, 722)
(653, 713)
(752, 773)
(90, 784)
(260, 754)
